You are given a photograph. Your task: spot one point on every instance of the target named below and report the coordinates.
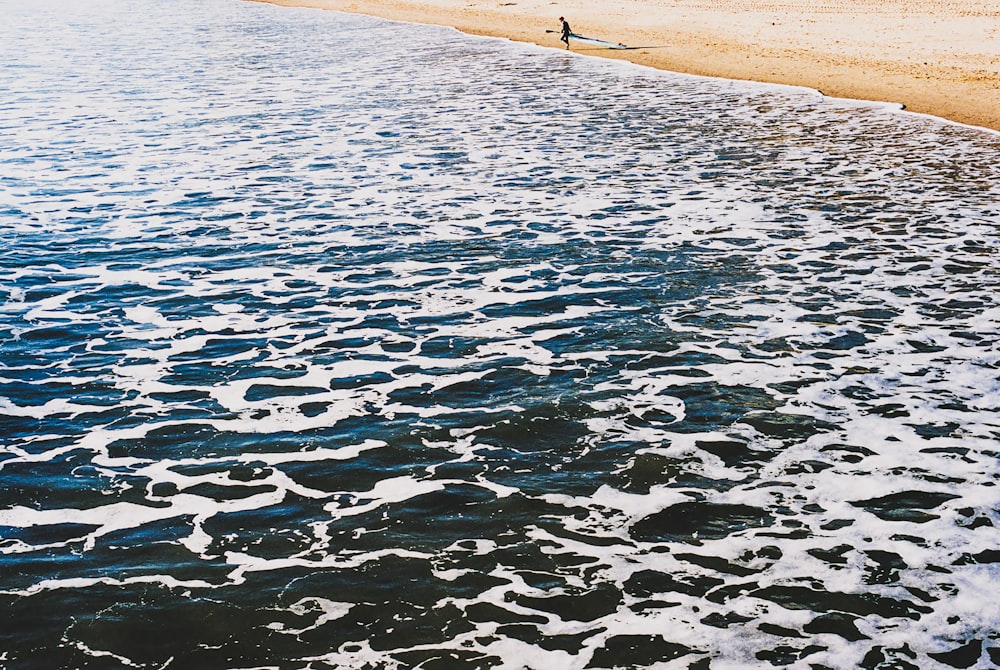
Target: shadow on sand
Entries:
(620, 48)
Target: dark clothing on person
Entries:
(566, 32)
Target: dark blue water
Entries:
(328, 342)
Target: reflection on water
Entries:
(332, 342)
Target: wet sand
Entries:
(939, 57)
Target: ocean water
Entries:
(330, 342)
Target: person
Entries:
(566, 32)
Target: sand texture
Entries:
(939, 57)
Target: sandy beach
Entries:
(938, 57)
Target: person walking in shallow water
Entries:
(566, 32)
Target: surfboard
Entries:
(596, 42)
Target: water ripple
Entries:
(333, 342)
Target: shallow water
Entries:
(334, 342)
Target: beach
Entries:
(336, 342)
(937, 57)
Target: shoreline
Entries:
(934, 57)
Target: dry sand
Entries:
(939, 57)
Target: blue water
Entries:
(329, 342)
